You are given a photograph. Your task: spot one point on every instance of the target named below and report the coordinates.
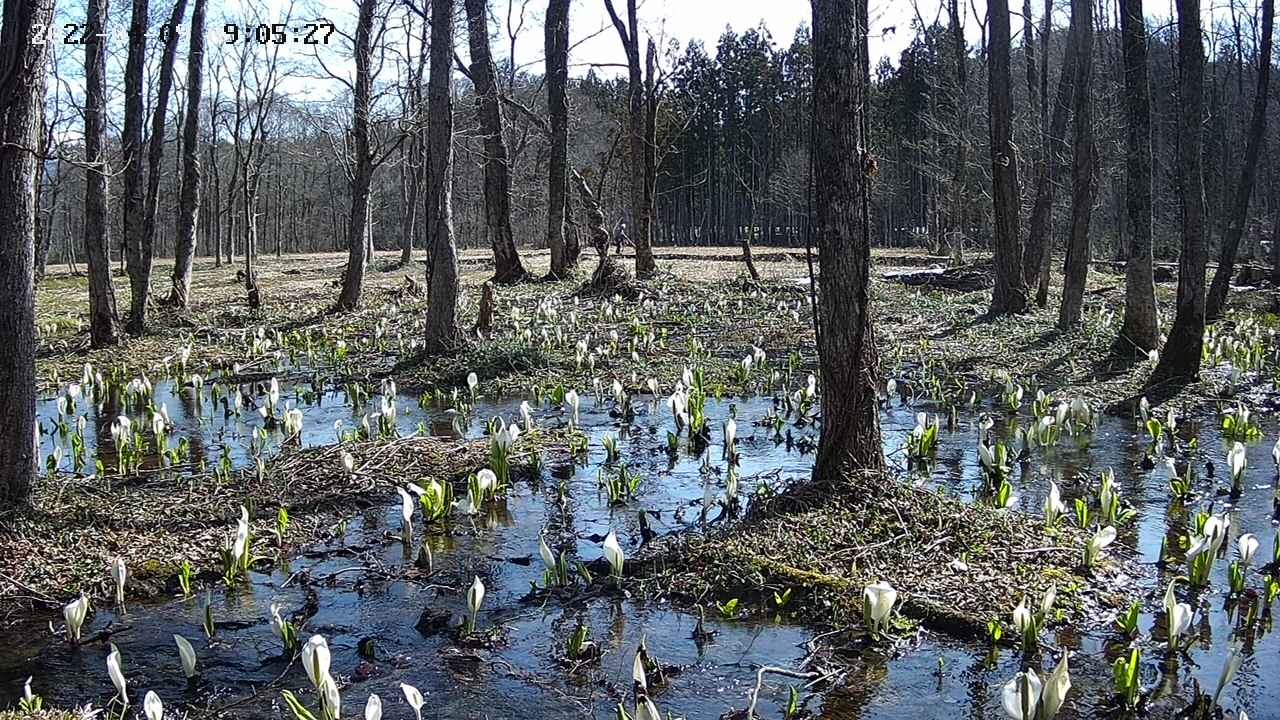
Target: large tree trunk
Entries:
(1010, 293)
(136, 260)
(497, 171)
(1141, 320)
(22, 70)
(102, 296)
(1181, 356)
(362, 171)
(1076, 271)
(847, 354)
(1035, 262)
(442, 311)
(629, 33)
(155, 155)
(557, 51)
(189, 198)
(1244, 190)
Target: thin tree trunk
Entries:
(1039, 240)
(362, 172)
(629, 34)
(102, 296)
(137, 261)
(1009, 295)
(1076, 271)
(1141, 320)
(848, 362)
(556, 33)
(155, 155)
(1244, 190)
(959, 58)
(1181, 356)
(442, 322)
(189, 195)
(497, 171)
(22, 71)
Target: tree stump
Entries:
(484, 320)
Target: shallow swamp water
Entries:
(524, 674)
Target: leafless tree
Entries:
(1083, 175)
(1010, 294)
(442, 331)
(189, 200)
(102, 297)
(629, 34)
(1141, 323)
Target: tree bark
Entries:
(362, 170)
(1181, 357)
(1244, 189)
(497, 171)
(1076, 271)
(1040, 238)
(1010, 294)
(442, 322)
(189, 197)
(137, 261)
(557, 51)
(629, 34)
(1141, 320)
(22, 73)
(155, 155)
(847, 354)
(102, 296)
(959, 58)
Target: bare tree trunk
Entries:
(143, 250)
(1035, 261)
(1181, 356)
(629, 34)
(136, 261)
(847, 355)
(1275, 251)
(557, 51)
(497, 172)
(1141, 320)
(362, 171)
(102, 296)
(189, 197)
(442, 311)
(22, 70)
(1244, 190)
(1076, 271)
(1010, 294)
(42, 228)
(959, 57)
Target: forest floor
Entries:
(708, 309)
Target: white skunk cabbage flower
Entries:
(315, 659)
(646, 710)
(406, 511)
(373, 708)
(414, 697)
(1179, 621)
(475, 597)
(1053, 505)
(187, 654)
(1248, 546)
(1022, 616)
(116, 673)
(571, 399)
(1275, 453)
(730, 435)
(74, 613)
(119, 573)
(332, 698)
(1237, 461)
(1021, 696)
(1100, 540)
(877, 603)
(1229, 668)
(1050, 596)
(1056, 687)
(348, 462)
(152, 707)
(526, 415)
(548, 558)
(613, 554)
(473, 381)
